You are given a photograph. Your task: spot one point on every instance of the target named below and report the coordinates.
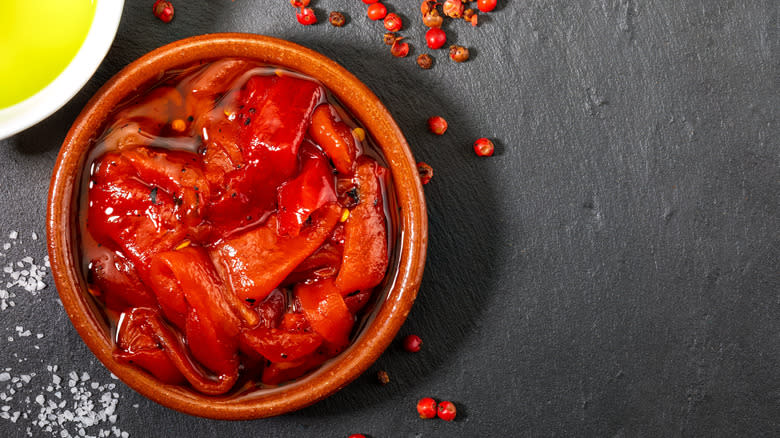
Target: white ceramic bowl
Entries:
(45, 102)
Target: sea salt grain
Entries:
(85, 411)
(13, 235)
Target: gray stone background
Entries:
(611, 271)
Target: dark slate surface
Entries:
(612, 271)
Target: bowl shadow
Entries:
(463, 237)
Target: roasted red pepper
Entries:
(273, 117)
(130, 215)
(110, 271)
(365, 233)
(358, 300)
(236, 258)
(325, 310)
(188, 275)
(271, 310)
(279, 345)
(334, 137)
(139, 344)
(299, 197)
(323, 263)
(230, 242)
(280, 372)
(156, 333)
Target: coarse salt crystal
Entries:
(13, 235)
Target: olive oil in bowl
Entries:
(37, 41)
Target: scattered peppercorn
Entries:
(163, 10)
(486, 5)
(425, 61)
(483, 147)
(435, 38)
(399, 49)
(432, 18)
(426, 407)
(393, 22)
(336, 19)
(299, 3)
(468, 13)
(425, 171)
(306, 16)
(412, 343)
(389, 38)
(459, 53)
(427, 6)
(377, 11)
(453, 8)
(382, 377)
(446, 411)
(437, 125)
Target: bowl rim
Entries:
(361, 102)
(52, 97)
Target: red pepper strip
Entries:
(273, 117)
(334, 137)
(127, 214)
(255, 263)
(365, 233)
(117, 279)
(280, 372)
(311, 189)
(280, 345)
(325, 310)
(358, 300)
(271, 309)
(276, 122)
(295, 322)
(211, 327)
(203, 89)
(176, 172)
(222, 153)
(169, 342)
(216, 78)
(137, 344)
(323, 263)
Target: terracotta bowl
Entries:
(389, 314)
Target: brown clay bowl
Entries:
(389, 315)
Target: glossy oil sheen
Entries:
(38, 39)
